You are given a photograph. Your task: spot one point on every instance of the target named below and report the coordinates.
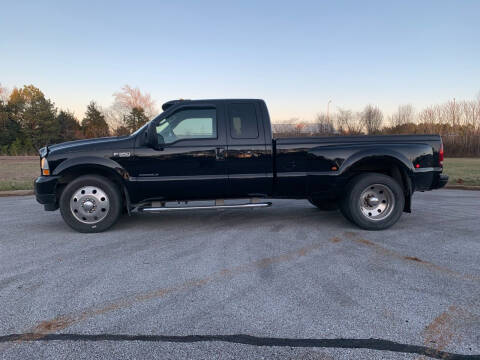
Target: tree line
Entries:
(458, 122)
(29, 120)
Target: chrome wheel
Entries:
(89, 204)
(377, 202)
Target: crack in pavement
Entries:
(372, 344)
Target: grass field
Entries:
(19, 172)
(463, 171)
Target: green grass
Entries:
(19, 172)
(16, 185)
(462, 171)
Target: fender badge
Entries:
(122, 154)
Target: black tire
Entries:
(354, 201)
(113, 197)
(324, 205)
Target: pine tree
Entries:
(9, 128)
(69, 127)
(94, 124)
(135, 119)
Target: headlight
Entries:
(44, 167)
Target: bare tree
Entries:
(427, 118)
(372, 119)
(324, 124)
(451, 113)
(468, 113)
(477, 116)
(348, 123)
(404, 115)
(4, 94)
(127, 99)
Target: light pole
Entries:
(328, 109)
(454, 106)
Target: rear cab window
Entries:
(243, 121)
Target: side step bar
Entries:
(156, 209)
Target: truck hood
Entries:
(88, 144)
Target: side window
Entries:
(188, 124)
(243, 121)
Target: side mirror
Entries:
(154, 140)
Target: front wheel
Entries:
(373, 201)
(90, 204)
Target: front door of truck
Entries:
(247, 155)
(191, 162)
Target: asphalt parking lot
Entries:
(288, 282)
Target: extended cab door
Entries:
(191, 163)
(248, 154)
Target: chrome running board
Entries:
(155, 209)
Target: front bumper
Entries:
(440, 181)
(46, 192)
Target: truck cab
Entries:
(205, 150)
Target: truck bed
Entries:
(307, 164)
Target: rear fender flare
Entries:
(399, 159)
(372, 154)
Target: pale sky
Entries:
(295, 55)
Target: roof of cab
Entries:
(171, 103)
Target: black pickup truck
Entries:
(222, 151)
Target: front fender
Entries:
(91, 161)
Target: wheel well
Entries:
(387, 166)
(72, 173)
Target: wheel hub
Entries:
(89, 204)
(377, 202)
(372, 201)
